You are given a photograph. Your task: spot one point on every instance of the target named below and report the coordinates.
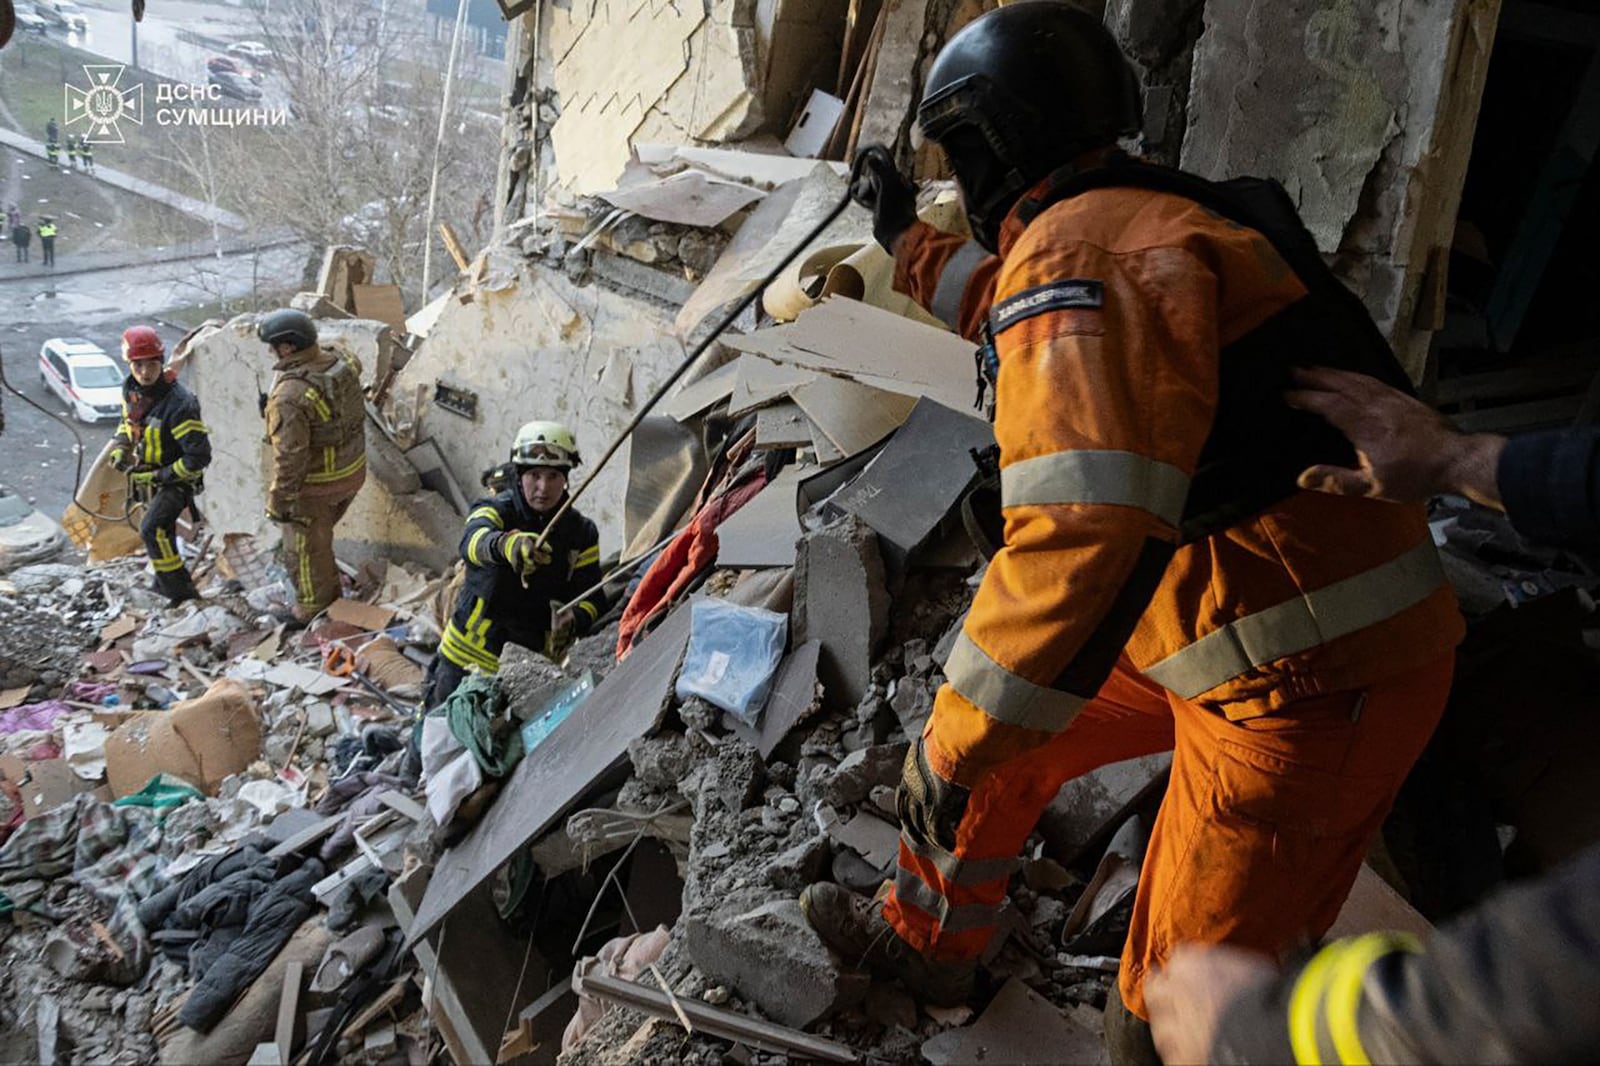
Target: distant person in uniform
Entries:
(21, 236)
(47, 240)
(72, 152)
(52, 152)
(86, 150)
(52, 133)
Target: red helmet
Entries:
(141, 342)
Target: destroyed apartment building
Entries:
(214, 848)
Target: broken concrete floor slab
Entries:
(1020, 1028)
(1089, 808)
(588, 744)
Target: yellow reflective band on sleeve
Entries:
(472, 548)
(1342, 1009)
(1082, 476)
(193, 425)
(489, 514)
(459, 649)
(588, 557)
(1304, 1002)
(589, 609)
(182, 472)
(1005, 696)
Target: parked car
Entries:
(63, 13)
(230, 65)
(26, 535)
(235, 85)
(83, 377)
(253, 52)
(29, 19)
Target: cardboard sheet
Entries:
(874, 347)
(853, 416)
(688, 198)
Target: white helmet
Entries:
(545, 444)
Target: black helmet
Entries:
(1019, 92)
(288, 326)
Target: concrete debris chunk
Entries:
(841, 599)
(861, 771)
(773, 957)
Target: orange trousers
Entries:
(1263, 829)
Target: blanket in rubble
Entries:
(114, 853)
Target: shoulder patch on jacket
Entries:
(1069, 294)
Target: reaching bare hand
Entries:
(1187, 996)
(1406, 450)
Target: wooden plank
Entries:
(740, 1028)
(289, 1009)
(452, 244)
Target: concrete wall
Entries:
(1365, 112)
(532, 344)
(227, 368)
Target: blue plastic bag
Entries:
(733, 653)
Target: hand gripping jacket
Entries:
(494, 607)
(161, 430)
(316, 420)
(1142, 339)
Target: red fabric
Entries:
(689, 553)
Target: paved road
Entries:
(187, 204)
(40, 458)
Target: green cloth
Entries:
(478, 717)
(164, 790)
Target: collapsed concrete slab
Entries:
(771, 954)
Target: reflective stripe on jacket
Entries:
(494, 606)
(161, 428)
(1112, 313)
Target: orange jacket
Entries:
(1112, 312)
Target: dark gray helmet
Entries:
(1019, 92)
(288, 326)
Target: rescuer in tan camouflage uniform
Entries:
(316, 423)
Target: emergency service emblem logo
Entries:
(104, 104)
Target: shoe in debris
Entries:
(855, 927)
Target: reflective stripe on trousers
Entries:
(1314, 618)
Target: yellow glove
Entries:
(121, 459)
(524, 553)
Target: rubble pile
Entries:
(193, 798)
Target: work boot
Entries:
(855, 927)
(176, 586)
(1128, 1039)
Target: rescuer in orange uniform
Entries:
(1162, 584)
